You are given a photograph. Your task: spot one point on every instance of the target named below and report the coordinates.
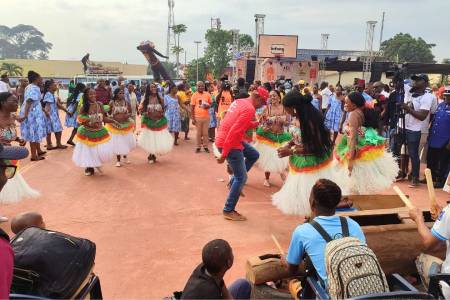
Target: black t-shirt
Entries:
(202, 286)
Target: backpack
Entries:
(50, 264)
(352, 268)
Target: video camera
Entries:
(397, 74)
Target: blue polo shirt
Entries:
(440, 130)
(306, 239)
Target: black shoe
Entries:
(206, 150)
(414, 183)
(197, 150)
(438, 185)
(400, 177)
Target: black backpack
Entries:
(50, 264)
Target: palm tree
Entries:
(11, 69)
(177, 50)
(178, 30)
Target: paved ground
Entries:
(150, 221)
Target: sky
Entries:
(110, 30)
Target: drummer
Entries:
(438, 236)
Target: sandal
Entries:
(49, 148)
(38, 158)
(61, 147)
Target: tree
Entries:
(169, 66)
(178, 30)
(217, 52)
(191, 69)
(245, 42)
(405, 48)
(42, 56)
(22, 41)
(11, 69)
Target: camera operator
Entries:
(416, 106)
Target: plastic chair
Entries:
(401, 289)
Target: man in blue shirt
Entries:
(439, 142)
(325, 196)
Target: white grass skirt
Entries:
(85, 156)
(371, 177)
(268, 159)
(17, 189)
(123, 143)
(293, 198)
(156, 142)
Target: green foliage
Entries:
(11, 69)
(180, 28)
(245, 42)
(169, 66)
(177, 50)
(22, 41)
(217, 52)
(191, 69)
(405, 48)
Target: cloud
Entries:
(111, 29)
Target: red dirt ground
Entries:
(150, 222)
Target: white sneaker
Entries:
(266, 183)
(118, 164)
(3, 219)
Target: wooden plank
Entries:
(371, 202)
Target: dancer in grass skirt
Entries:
(93, 145)
(271, 136)
(122, 131)
(15, 188)
(155, 138)
(310, 156)
(362, 157)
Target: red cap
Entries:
(263, 93)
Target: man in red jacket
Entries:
(240, 155)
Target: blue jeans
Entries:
(413, 141)
(240, 289)
(240, 161)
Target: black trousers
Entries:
(437, 161)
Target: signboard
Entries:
(277, 46)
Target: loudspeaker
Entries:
(250, 74)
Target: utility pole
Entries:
(382, 29)
(367, 63)
(259, 29)
(170, 24)
(197, 43)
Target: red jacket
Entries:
(238, 119)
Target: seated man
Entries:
(325, 196)
(206, 282)
(25, 220)
(7, 171)
(432, 239)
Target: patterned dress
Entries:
(71, 121)
(172, 113)
(53, 122)
(334, 114)
(34, 127)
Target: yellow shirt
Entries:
(183, 97)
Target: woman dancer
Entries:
(371, 169)
(93, 145)
(270, 136)
(16, 188)
(72, 108)
(51, 106)
(154, 137)
(34, 125)
(172, 107)
(185, 109)
(122, 129)
(310, 156)
(212, 114)
(334, 112)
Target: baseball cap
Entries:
(447, 90)
(420, 76)
(13, 152)
(301, 82)
(263, 93)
